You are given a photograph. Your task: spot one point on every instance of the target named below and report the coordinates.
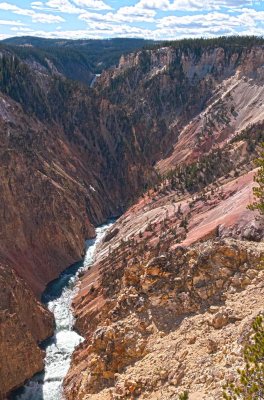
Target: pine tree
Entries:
(259, 190)
(251, 378)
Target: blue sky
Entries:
(152, 19)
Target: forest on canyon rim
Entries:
(165, 142)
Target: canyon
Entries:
(166, 141)
(160, 309)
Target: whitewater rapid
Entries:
(58, 298)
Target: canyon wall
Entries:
(185, 100)
(24, 324)
(160, 309)
(156, 325)
(72, 156)
(67, 165)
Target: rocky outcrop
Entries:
(24, 323)
(235, 106)
(141, 304)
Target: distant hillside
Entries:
(76, 59)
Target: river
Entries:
(94, 80)
(58, 298)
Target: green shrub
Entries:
(184, 396)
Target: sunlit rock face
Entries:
(172, 311)
(164, 312)
(186, 100)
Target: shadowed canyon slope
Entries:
(174, 118)
(68, 162)
(24, 324)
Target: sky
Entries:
(149, 19)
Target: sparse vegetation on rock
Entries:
(251, 377)
(180, 123)
(259, 190)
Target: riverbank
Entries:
(59, 348)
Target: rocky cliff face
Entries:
(24, 323)
(161, 307)
(66, 165)
(185, 101)
(167, 290)
(85, 155)
(178, 312)
(71, 157)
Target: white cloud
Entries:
(11, 23)
(21, 29)
(211, 18)
(194, 21)
(213, 22)
(36, 17)
(256, 15)
(63, 6)
(247, 22)
(4, 36)
(94, 4)
(74, 7)
(134, 14)
(123, 15)
(36, 4)
(96, 31)
(192, 5)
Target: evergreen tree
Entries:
(251, 378)
(259, 190)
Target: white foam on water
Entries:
(48, 386)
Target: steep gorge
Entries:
(73, 156)
(67, 165)
(168, 284)
(62, 152)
